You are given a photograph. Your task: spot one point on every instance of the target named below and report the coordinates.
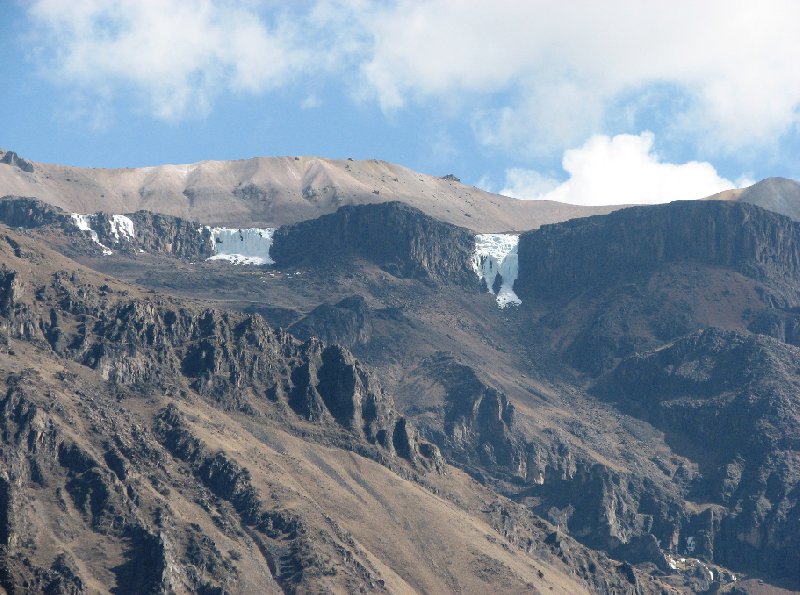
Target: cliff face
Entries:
(14, 160)
(153, 233)
(596, 251)
(17, 211)
(733, 398)
(160, 234)
(400, 239)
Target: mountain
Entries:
(774, 194)
(155, 445)
(379, 399)
(269, 192)
(683, 315)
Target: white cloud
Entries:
(622, 169)
(177, 54)
(531, 77)
(563, 67)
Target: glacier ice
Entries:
(242, 246)
(83, 222)
(496, 254)
(121, 226)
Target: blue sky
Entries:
(586, 102)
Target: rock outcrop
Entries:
(14, 160)
(159, 234)
(347, 322)
(235, 359)
(584, 254)
(400, 239)
(477, 418)
(151, 232)
(729, 400)
(17, 211)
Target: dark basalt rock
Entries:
(730, 401)
(154, 233)
(347, 322)
(18, 211)
(477, 419)
(583, 254)
(163, 234)
(779, 324)
(400, 239)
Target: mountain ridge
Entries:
(273, 191)
(558, 459)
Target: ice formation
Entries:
(121, 226)
(242, 246)
(496, 254)
(83, 223)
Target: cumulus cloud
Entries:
(530, 77)
(178, 55)
(564, 68)
(622, 169)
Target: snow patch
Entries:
(496, 254)
(83, 222)
(121, 227)
(242, 246)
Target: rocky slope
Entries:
(270, 192)
(98, 232)
(779, 195)
(544, 405)
(730, 401)
(659, 305)
(154, 445)
(491, 389)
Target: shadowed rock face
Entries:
(477, 418)
(597, 251)
(400, 239)
(17, 211)
(729, 400)
(347, 322)
(154, 233)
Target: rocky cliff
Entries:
(237, 360)
(400, 239)
(597, 251)
(142, 231)
(730, 401)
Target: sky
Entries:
(585, 102)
